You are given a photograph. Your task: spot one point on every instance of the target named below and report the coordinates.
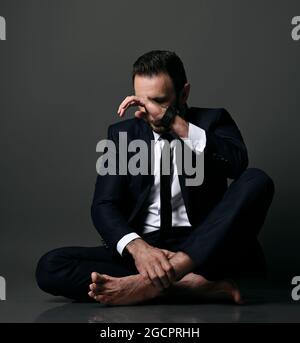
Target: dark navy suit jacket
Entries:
(119, 200)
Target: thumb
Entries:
(168, 253)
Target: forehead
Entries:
(152, 86)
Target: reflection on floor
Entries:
(266, 302)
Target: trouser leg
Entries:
(67, 271)
(226, 241)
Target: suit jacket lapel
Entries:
(182, 177)
(182, 181)
(146, 134)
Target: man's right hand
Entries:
(152, 262)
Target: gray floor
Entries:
(267, 301)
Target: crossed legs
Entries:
(71, 272)
(223, 245)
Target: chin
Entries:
(158, 129)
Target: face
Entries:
(158, 88)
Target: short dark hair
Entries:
(161, 61)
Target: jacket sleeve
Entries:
(225, 146)
(110, 192)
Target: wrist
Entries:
(135, 244)
(168, 117)
(180, 127)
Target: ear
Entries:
(184, 94)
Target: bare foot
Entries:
(196, 287)
(134, 289)
(128, 290)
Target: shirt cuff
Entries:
(196, 139)
(125, 240)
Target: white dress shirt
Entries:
(196, 141)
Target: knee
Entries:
(260, 180)
(45, 273)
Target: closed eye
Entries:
(160, 100)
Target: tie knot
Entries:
(168, 136)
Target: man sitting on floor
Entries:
(164, 237)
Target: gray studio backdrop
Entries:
(65, 67)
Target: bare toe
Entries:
(100, 278)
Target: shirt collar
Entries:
(156, 136)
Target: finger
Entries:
(130, 101)
(154, 278)
(132, 98)
(169, 270)
(162, 276)
(166, 276)
(142, 270)
(128, 98)
(123, 109)
(168, 253)
(144, 274)
(129, 104)
(124, 102)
